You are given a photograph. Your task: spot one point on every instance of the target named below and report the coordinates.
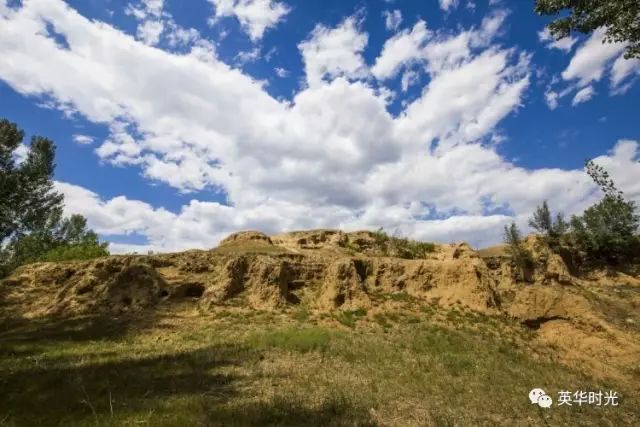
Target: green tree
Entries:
(607, 231)
(620, 18)
(541, 220)
(27, 198)
(31, 221)
(551, 229)
(520, 256)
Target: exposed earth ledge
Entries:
(588, 319)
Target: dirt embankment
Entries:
(591, 320)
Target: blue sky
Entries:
(180, 122)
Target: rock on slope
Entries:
(333, 270)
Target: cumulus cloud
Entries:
(565, 44)
(149, 14)
(590, 60)
(333, 156)
(436, 52)
(82, 139)
(392, 19)
(593, 60)
(409, 78)
(149, 32)
(281, 72)
(255, 16)
(583, 95)
(623, 71)
(446, 5)
(333, 52)
(154, 23)
(400, 50)
(20, 154)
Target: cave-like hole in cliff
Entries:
(193, 290)
(361, 268)
(536, 323)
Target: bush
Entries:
(402, 247)
(75, 252)
(60, 239)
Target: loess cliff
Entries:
(589, 319)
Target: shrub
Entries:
(401, 247)
(60, 239)
(349, 318)
(75, 252)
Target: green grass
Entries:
(301, 340)
(349, 318)
(400, 297)
(179, 369)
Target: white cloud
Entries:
(446, 5)
(551, 97)
(144, 9)
(83, 139)
(583, 95)
(255, 16)
(333, 52)
(248, 56)
(20, 154)
(204, 224)
(153, 7)
(341, 159)
(439, 51)
(623, 164)
(409, 78)
(392, 19)
(149, 32)
(281, 72)
(154, 23)
(565, 44)
(400, 50)
(591, 59)
(622, 69)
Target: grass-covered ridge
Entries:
(261, 368)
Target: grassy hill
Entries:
(319, 329)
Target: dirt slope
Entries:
(588, 320)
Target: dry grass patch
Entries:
(271, 369)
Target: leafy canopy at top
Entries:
(620, 18)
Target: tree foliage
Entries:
(31, 221)
(620, 18)
(607, 231)
(401, 247)
(552, 229)
(520, 256)
(27, 197)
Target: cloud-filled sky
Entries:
(178, 122)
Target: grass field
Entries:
(258, 368)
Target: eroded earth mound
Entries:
(586, 319)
